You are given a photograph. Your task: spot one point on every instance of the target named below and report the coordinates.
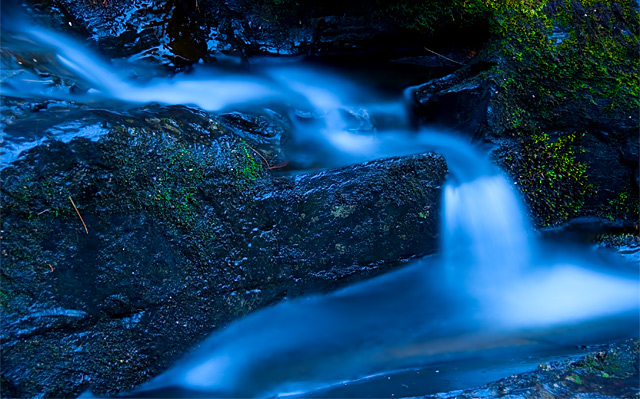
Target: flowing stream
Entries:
(495, 291)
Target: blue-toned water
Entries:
(495, 288)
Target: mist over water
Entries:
(493, 284)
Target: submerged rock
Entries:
(123, 250)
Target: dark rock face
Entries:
(267, 130)
(171, 33)
(186, 231)
(179, 33)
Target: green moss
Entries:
(247, 168)
(613, 364)
(549, 176)
(590, 70)
(162, 175)
(40, 197)
(575, 378)
(429, 17)
(555, 57)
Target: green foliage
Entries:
(615, 364)
(624, 206)
(553, 181)
(556, 57)
(428, 17)
(575, 378)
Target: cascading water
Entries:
(497, 293)
(490, 287)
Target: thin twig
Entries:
(280, 165)
(260, 155)
(269, 167)
(80, 216)
(440, 55)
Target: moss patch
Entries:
(550, 177)
(566, 62)
(247, 168)
(161, 174)
(626, 206)
(613, 363)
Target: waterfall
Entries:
(494, 282)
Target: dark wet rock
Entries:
(606, 372)
(267, 131)
(186, 230)
(608, 170)
(434, 61)
(171, 33)
(588, 229)
(630, 151)
(179, 33)
(345, 33)
(461, 101)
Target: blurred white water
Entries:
(211, 91)
(493, 285)
(485, 233)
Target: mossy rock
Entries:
(186, 230)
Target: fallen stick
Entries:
(446, 58)
(80, 216)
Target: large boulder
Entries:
(127, 238)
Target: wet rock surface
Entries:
(608, 371)
(186, 230)
(460, 101)
(179, 33)
(170, 33)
